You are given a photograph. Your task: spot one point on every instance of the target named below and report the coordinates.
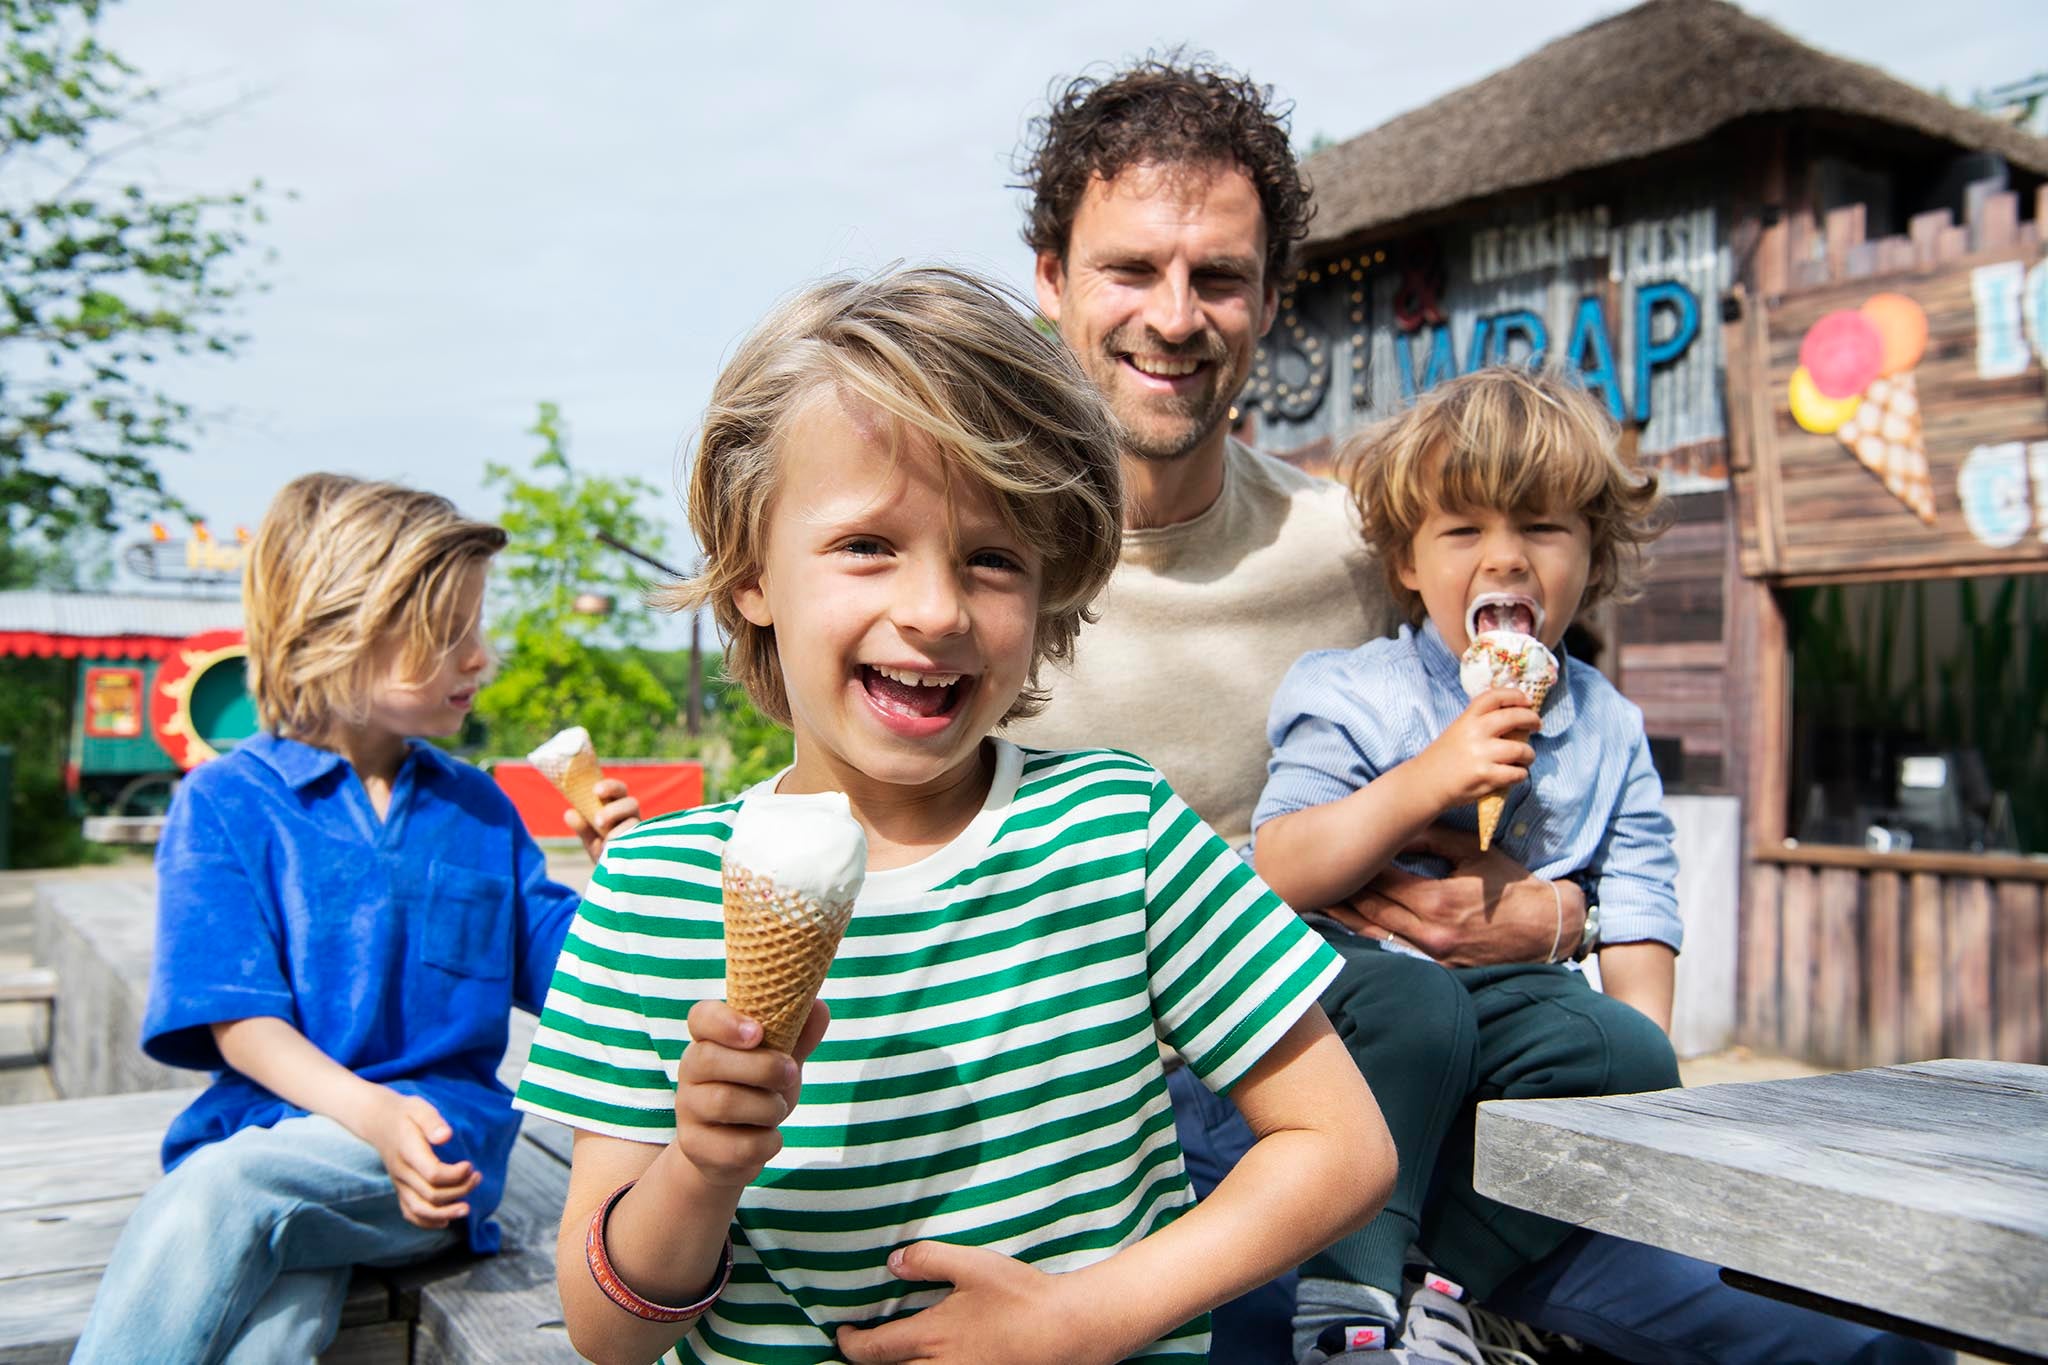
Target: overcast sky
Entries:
(499, 203)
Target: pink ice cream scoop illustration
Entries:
(1505, 653)
(1856, 382)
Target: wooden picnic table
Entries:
(1914, 1197)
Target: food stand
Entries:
(1666, 203)
(1900, 601)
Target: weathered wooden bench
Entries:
(72, 1170)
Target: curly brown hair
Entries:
(1506, 438)
(1167, 110)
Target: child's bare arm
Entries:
(1320, 855)
(1322, 1166)
(403, 1128)
(1643, 975)
(664, 1236)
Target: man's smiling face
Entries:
(1162, 297)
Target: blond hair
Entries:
(1508, 439)
(339, 567)
(937, 354)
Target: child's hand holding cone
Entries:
(1483, 752)
(602, 806)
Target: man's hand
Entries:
(404, 1129)
(1487, 912)
(1000, 1312)
(620, 813)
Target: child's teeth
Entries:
(910, 679)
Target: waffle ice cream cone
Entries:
(569, 761)
(792, 871)
(1505, 658)
(1886, 437)
(1494, 803)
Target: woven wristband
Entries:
(615, 1288)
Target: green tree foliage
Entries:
(744, 746)
(99, 279)
(558, 667)
(739, 746)
(35, 708)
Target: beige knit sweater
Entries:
(1199, 624)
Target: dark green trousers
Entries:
(1432, 1042)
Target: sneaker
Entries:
(1367, 1343)
(1437, 1324)
(1507, 1340)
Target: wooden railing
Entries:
(1865, 959)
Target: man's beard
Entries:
(1172, 427)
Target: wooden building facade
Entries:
(1669, 203)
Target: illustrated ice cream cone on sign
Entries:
(1855, 382)
(569, 761)
(1504, 652)
(792, 871)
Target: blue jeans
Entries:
(243, 1252)
(1633, 1301)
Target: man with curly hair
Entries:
(1165, 204)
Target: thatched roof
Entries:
(1654, 78)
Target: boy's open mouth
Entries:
(1503, 611)
(912, 694)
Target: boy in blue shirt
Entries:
(1501, 495)
(346, 917)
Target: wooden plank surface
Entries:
(1838, 969)
(1966, 1005)
(1801, 916)
(1762, 918)
(504, 1308)
(71, 1173)
(2020, 974)
(1883, 970)
(1918, 1190)
(1923, 968)
(1817, 511)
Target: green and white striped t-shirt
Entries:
(991, 1075)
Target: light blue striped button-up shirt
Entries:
(1593, 803)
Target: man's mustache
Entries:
(1203, 347)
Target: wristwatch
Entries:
(1589, 939)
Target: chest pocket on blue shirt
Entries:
(468, 922)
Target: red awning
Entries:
(36, 644)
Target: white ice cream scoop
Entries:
(1508, 658)
(806, 845)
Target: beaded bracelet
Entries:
(615, 1289)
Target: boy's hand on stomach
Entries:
(732, 1094)
(1482, 750)
(1000, 1312)
(432, 1193)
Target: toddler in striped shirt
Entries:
(907, 497)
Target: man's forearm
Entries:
(1488, 911)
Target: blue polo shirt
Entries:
(396, 946)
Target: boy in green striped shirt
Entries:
(906, 497)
